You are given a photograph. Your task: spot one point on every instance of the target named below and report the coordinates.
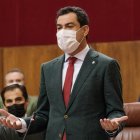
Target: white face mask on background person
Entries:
(66, 40)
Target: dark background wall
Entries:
(32, 22)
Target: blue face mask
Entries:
(17, 109)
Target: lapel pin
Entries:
(93, 62)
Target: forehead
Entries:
(67, 18)
(14, 75)
(12, 94)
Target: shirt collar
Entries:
(81, 55)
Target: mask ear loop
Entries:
(82, 39)
(83, 36)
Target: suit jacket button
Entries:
(65, 116)
(60, 135)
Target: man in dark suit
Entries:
(93, 110)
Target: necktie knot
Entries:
(72, 60)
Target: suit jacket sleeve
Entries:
(41, 115)
(113, 85)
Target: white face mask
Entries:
(66, 40)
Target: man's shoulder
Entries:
(33, 100)
(32, 106)
(33, 97)
(103, 56)
(102, 59)
(51, 62)
(1, 102)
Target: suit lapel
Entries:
(88, 65)
(58, 66)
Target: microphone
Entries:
(31, 120)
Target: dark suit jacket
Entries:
(11, 134)
(97, 93)
(8, 134)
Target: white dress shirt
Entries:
(77, 65)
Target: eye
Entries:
(59, 27)
(18, 99)
(8, 101)
(70, 26)
(10, 81)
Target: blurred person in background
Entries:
(16, 76)
(15, 101)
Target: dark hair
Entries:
(82, 16)
(12, 87)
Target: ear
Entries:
(86, 30)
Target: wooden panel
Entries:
(128, 55)
(30, 58)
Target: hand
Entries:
(10, 120)
(113, 124)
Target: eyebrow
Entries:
(16, 99)
(66, 24)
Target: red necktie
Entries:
(68, 80)
(68, 83)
